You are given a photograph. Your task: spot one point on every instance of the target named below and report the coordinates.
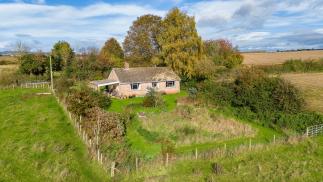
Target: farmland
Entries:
(38, 142)
(312, 86)
(271, 58)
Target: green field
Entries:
(291, 161)
(37, 142)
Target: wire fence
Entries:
(27, 85)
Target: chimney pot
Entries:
(126, 65)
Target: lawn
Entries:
(38, 143)
(135, 104)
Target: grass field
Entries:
(268, 58)
(311, 84)
(8, 60)
(282, 162)
(37, 142)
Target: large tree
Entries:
(111, 54)
(141, 44)
(181, 46)
(62, 55)
(222, 52)
(35, 64)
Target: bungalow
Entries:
(126, 82)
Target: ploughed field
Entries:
(271, 58)
(38, 143)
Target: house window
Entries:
(135, 86)
(154, 84)
(170, 83)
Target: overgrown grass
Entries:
(38, 143)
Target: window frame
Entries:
(170, 86)
(156, 84)
(132, 84)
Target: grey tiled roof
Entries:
(145, 74)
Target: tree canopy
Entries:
(35, 64)
(111, 54)
(141, 43)
(222, 52)
(181, 46)
(62, 55)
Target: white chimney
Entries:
(126, 65)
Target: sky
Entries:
(249, 24)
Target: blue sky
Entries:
(249, 24)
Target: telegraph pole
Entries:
(51, 73)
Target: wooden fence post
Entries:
(166, 159)
(307, 131)
(196, 153)
(274, 139)
(113, 165)
(137, 164)
(249, 143)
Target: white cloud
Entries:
(247, 23)
(95, 22)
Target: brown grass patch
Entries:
(268, 58)
(188, 125)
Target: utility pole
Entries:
(51, 72)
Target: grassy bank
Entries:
(291, 161)
(37, 142)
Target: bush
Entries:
(36, 64)
(153, 99)
(255, 96)
(295, 66)
(79, 100)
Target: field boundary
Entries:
(27, 85)
(314, 130)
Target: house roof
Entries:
(145, 74)
(103, 82)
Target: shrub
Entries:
(153, 99)
(79, 100)
(255, 96)
(295, 66)
(192, 93)
(35, 64)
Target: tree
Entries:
(111, 55)
(21, 48)
(62, 55)
(181, 46)
(153, 98)
(35, 64)
(141, 43)
(223, 53)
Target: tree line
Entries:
(151, 40)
